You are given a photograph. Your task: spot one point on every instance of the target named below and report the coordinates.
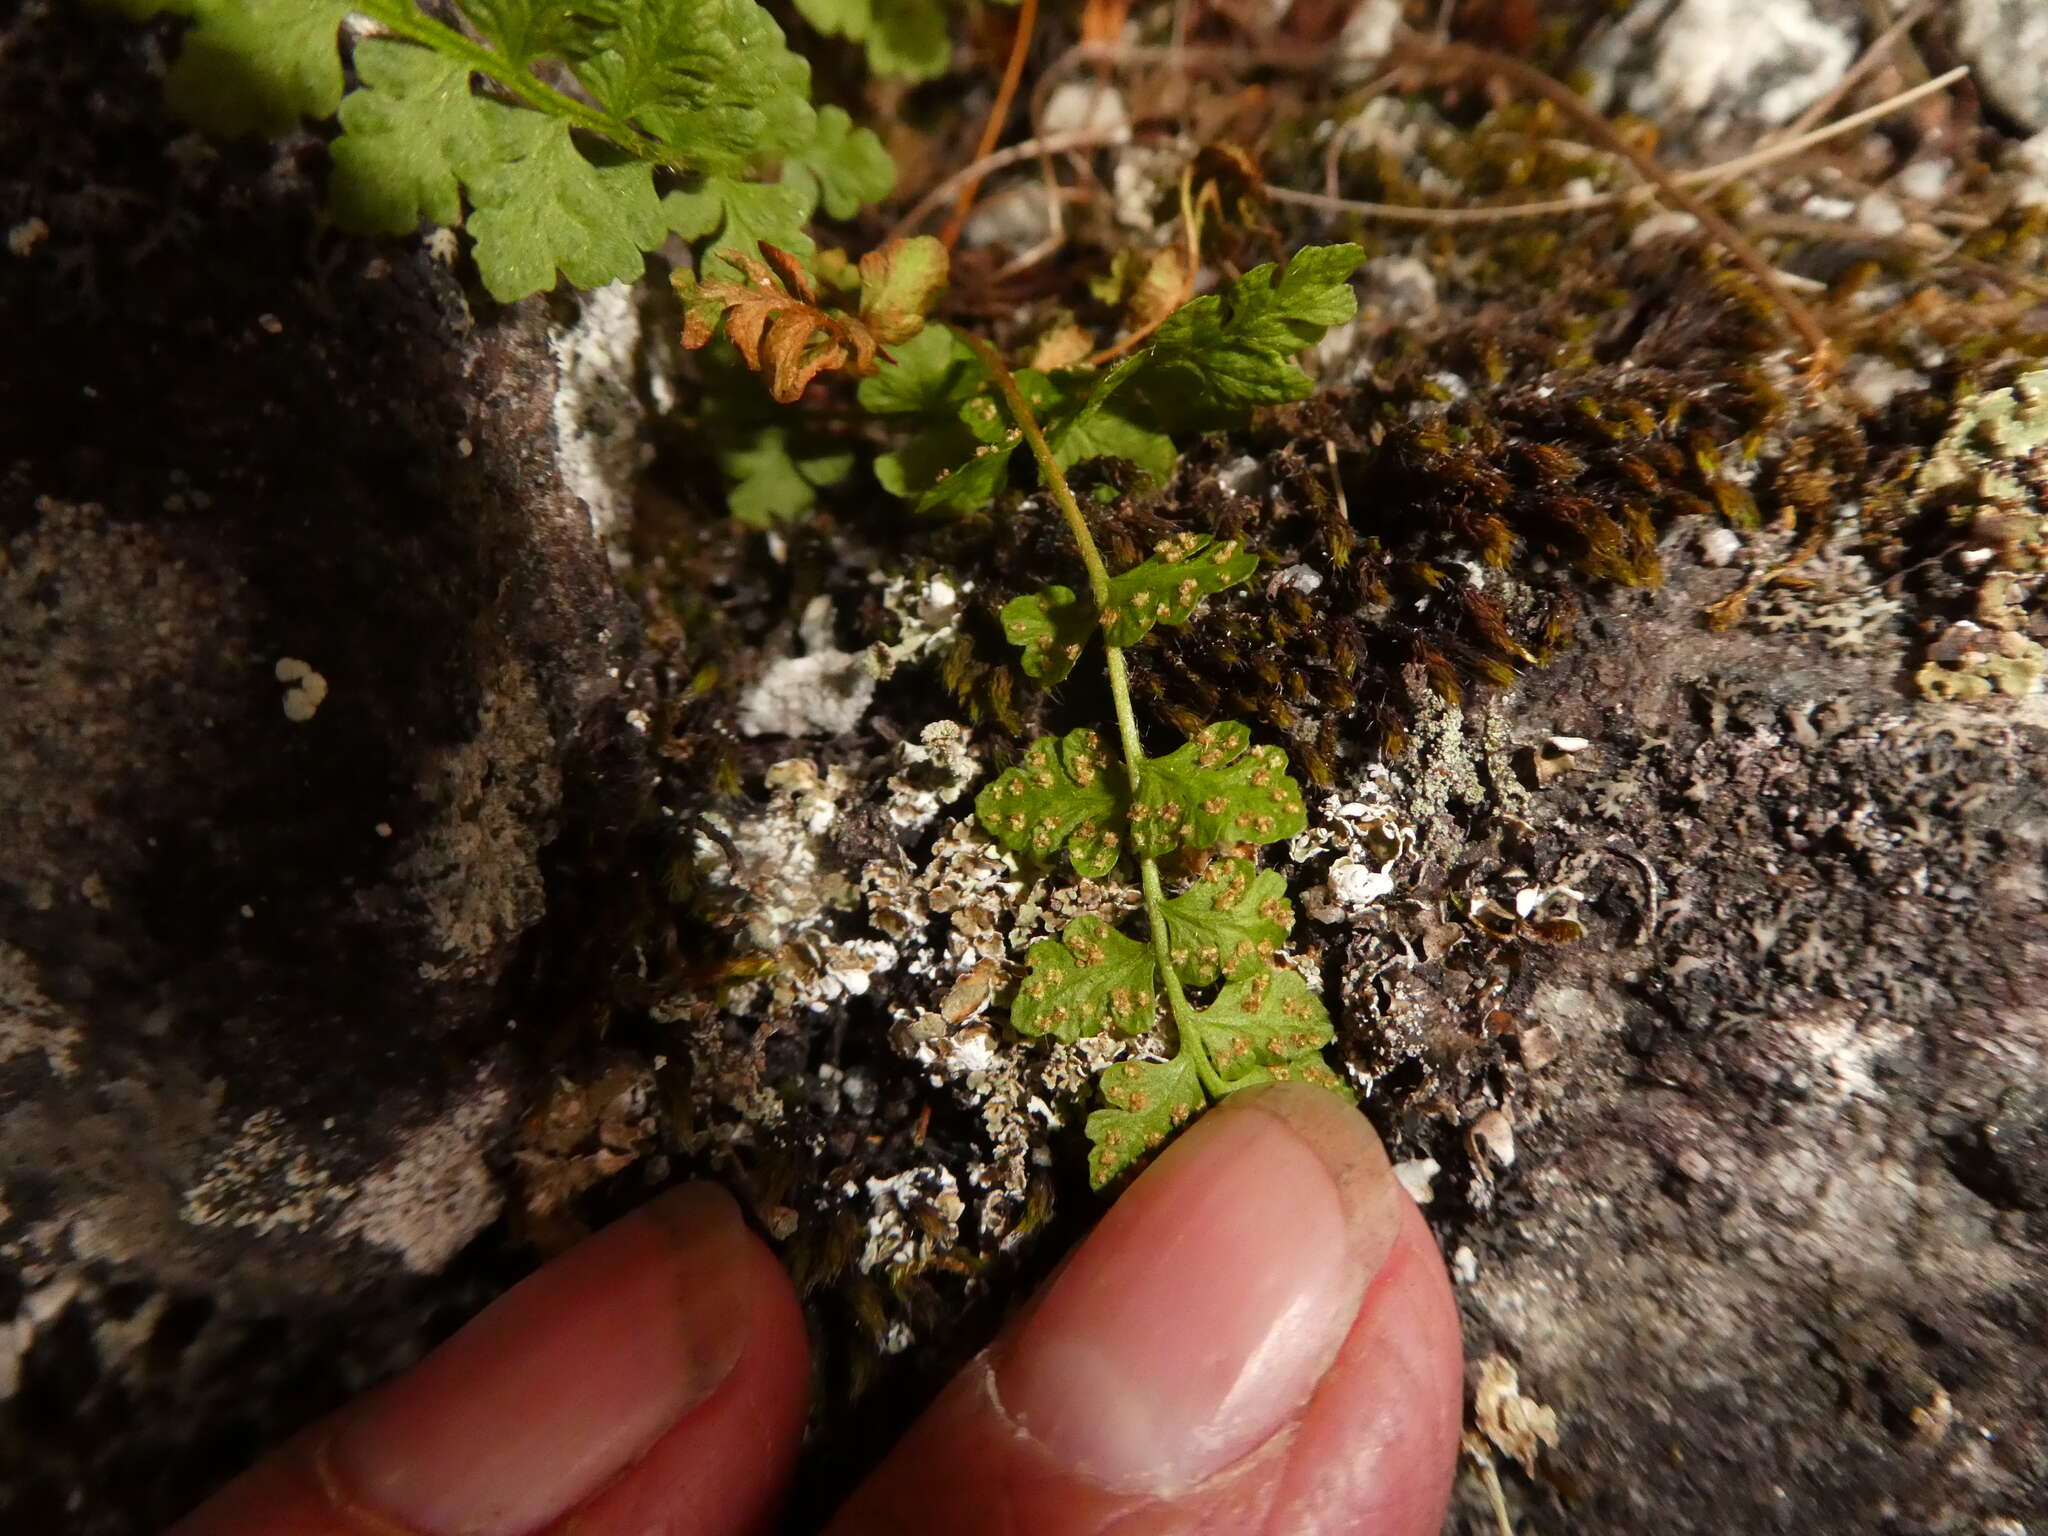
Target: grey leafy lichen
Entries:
(1990, 473)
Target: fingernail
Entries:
(1196, 1321)
(558, 1386)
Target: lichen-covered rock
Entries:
(307, 656)
(1706, 70)
(1679, 949)
(2005, 43)
(1770, 1227)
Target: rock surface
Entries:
(1776, 1219)
(2005, 43)
(306, 656)
(1706, 70)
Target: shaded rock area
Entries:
(425, 827)
(306, 656)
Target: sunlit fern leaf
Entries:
(254, 66)
(1091, 980)
(1147, 1101)
(465, 118)
(725, 214)
(1213, 791)
(1183, 570)
(1064, 794)
(1268, 1026)
(1230, 922)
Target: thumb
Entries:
(1260, 1336)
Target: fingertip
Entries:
(724, 1469)
(673, 1332)
(1377, 1449)
(1259, 1335)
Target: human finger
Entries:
(1258, 1337)
(652, 1379)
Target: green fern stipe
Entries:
(1216, 791)
(1214, 361)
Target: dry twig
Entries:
(1191, 228)
(1741, 165)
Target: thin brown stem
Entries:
(992, 130)
(1048, 466)
(1050, 144)
(1191, 226)
(1880, 46)
(1756, 159)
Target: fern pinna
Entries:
(682, 106)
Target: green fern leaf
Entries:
(1268, 1027)
(1050, 627)
(542, 206)
(724, 213)
(1219, 357)
(527, 32)
(442, 114)
(1164, 590)
(1088, 981)
(845, 167)
(908, 39)
(1147, 1102)
(1228, 923)
(970, 484)
(927, 467)
(1064, 794)
(412, 135)
(932, 374)
(776, 474)
(711, 78)
(256, 66)
(1107, 433)
(1213, 791)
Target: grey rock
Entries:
(258, 927)
(2005, 43)
(1706, 71)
